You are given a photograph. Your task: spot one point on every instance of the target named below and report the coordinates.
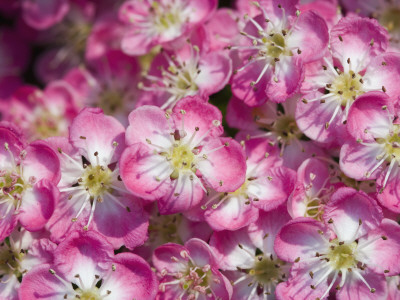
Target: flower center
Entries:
(11, 188)
(182, 159)
(166, 17)
(341, 256)
(96, 179)
(275, 45)
(111, 100)
(91, 294)
(286, 128)
(163, 229)
(347, 86)
(47, 124)
(265, 270)
(10, 260)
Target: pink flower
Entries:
(174, 156)
(85, 267)
(279, 41)
(21, 253)
(267, 186)
(249, 258)
(313, 189)
(360, 66)
(371, 153)
(353, 251)
(280, 125)
(28, 178)
(92, 192)
(111, 84)
(41, 114)
(42, 14)
(161, 22)
(191, 71)
(190, 272)
(170, 229)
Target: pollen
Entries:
(347, 86)
(341, 256)
(90, 294)
(182, 159)
(96, 179)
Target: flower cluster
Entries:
(180, 149)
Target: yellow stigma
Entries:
(90, 295)
(182, 159)
(96, 180)
(286, 127)
(341, 256)
(266, 270)
(392, 143)
(347, 86)
(275, 45)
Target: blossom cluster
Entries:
(180, 149)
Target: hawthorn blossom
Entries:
(85, 267)
(353, 251)
(160, 22)
(280, 124)
(358, 44)
(266, 187)
(42, 114)
(278, 42)
(174, 156)
(371, 153)
(92, 194)
(187, 72)
(248, 257)
(18, 254)
(190, 272)
(28, 178)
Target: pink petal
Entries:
(224, 169)
(201, 253)
(198, 113)
(382, 256)
(312, 117)
(41, 162)
(38, 205)
(356, 289)
(232, 214)
(311, 36)
(300, 238)
(289, 74)
(346, 208)
(39, 283)
(185, 193)
(268, 223)
(201, 10)
(132, 278)
(83, 253)
(92, 131)
(139, 168)
(215, 73)
(356, 34)
(356, 160)
(120, 226)
(241, 88)
(367, 114)
(162, 258)
(42, 14)
(275, 188)
(229, 254)
(148, 122)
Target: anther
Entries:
(383, 89)
(340, 38)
